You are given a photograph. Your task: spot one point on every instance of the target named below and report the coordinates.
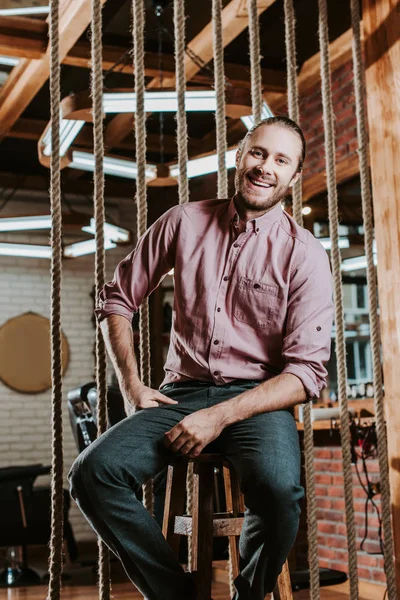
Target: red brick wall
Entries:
(331, 516)
(345, 121)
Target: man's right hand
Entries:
(142, 396)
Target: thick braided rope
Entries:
(219, 83)
(98, 208)
(255, 58)
(141, 197)
(57, 511)
(293, 93)
(181, 121)
(189, 508)
(329, 131)
(294, 113)
(360, 95)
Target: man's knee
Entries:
(279, 492)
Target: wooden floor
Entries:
(124, 591)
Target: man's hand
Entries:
(142, 396)
(194, 432)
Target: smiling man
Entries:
(251, 333)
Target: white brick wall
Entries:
(25, 429)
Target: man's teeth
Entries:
(264, 185)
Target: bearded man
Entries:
(251, 334)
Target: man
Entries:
(251, 333)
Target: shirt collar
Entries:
(259, 224)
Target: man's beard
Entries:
(260, 205)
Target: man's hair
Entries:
(283, 122)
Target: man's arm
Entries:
(118, 337)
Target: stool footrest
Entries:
(223, 525)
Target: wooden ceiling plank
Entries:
(22, 37)
(26, 80)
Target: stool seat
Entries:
(203, 523)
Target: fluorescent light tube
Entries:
(266, 112)
(205, 164)
(111, 232)
(26, 10)
(327, 242)
(112, 166)
(25, 223)
(125, 102)
(86, 247)
(69, 129)
(9, 61)
(26, 250)
(355, 263)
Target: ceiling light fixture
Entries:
(125, 102)
(25, 223)
(327, 242)
(205, 165)
(24, 11)
(111, 232)
(69, 129)
(266, 112)
(85, 247)
(9, 61)
(25, 250)
(112, 166)
(356, 263)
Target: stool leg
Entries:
(202, 528)
(283, 590)
(233, 505)
(174, 503)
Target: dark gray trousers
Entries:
(264, 450)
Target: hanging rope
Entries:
(181, 121)
(98, 201)
(57, 497)
(255, 58)
(219, 83)
(294, 113)
(360, 95)
(141, 198)
(329, 129)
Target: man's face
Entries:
(266, 167)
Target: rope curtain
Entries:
(362, 135)
(329, 130)
(138, 14)
(181, 121)
(219, 84)
(57, 499)
(294, 113)
(255, 58)
(98, 210)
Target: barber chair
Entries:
(25, 519)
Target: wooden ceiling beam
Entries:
(22, 37)
(26, 79)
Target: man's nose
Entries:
(265, 166)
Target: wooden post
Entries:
(382, 51)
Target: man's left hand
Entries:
(194, 432)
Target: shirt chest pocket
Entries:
(256, 302)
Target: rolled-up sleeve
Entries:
(307, 337)
(139, 273)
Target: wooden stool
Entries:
(204, 524)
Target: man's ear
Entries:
(237, 157)
(295, 178)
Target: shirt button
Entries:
(216, 342)
(218, 310)
(256, 286)
(226, 278)
(257, 230)
(216, 373)
(236, 245)
(318, 328)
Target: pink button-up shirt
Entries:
(249, 303)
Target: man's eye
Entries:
(281, 161)
(257, 152)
